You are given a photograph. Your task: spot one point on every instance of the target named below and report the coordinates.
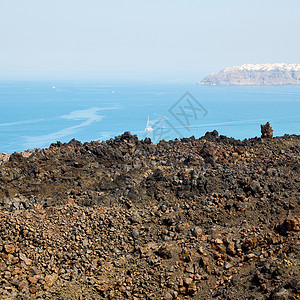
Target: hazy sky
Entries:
(87, 36)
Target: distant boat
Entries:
(54, 87)
(148, 127)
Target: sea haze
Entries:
(36, 114)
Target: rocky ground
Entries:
(208, 218)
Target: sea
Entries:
(35, 114)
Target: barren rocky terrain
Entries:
(208, 218)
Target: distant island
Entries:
(258, 74)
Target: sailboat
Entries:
(148, 127)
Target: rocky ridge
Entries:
(213, 218)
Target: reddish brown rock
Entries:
(23, 285)
(9, 248)
(266, 131)
(164, 251)
(250, 242)
(292, 223)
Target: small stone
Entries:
(187, 281)
(204, 263)
(228, 265)
(190, 268)
(192, 289)
(250, 243)
(7, 274)
(283, 294)
(164, 251)
(135, 234)
(263, 287)
(230, 249)
(33, 279)
(147, 140)
(26, 260)
(34, 271)
(33, 289)
(9, 248)
(197, 232)
(250, 256)
(23, 285)
(255, 186)
(101, 288)
(168, 296)
(50, 280)
(292, 223)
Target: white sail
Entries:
(148, 127)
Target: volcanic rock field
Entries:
(207, 218)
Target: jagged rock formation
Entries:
(259, 74)
(208, 218)
(4, 157)
(266, 130)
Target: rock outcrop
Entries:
(266, 131)
(4, 157)
(260, 74)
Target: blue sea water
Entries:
(35, 114)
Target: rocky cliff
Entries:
(259, 74)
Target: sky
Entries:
(90, 37)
